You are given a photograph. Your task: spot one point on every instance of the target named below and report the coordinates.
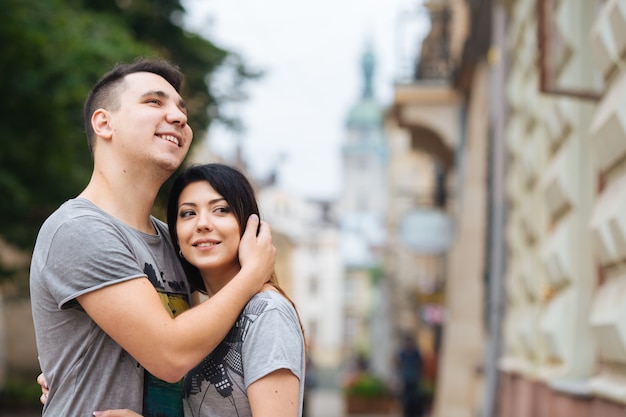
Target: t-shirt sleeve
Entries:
(274, 342)
(85, 256)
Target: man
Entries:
(409, 367)
(103, 268)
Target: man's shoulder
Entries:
(76, 208)
(79, 220)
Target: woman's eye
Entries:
(222, 209)
(186, 213)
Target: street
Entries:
(325, 403)
(329, 403)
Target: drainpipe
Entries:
(497, 203)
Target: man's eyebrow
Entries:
(163, 95)
(158, 93)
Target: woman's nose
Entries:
(204, 222)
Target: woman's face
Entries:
(208, 231)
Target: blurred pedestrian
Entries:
(409, 370)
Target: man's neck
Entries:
(129, 201)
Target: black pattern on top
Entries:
(226, 357)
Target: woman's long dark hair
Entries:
(238, 193)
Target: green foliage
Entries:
(367, 385)
(20, 392)
(52, 53)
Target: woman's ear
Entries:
(100, 123)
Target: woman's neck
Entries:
(216, 279)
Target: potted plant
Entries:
(367, 394)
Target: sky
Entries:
(310, 53)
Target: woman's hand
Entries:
(257, 253)
(41, 380)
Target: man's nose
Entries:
(176, 116)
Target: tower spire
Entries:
(368, 63)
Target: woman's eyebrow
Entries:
(211, 202)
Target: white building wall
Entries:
(316, 272)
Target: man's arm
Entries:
(132, 313)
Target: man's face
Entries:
(151, 123)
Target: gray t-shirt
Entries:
(79, 249)
(266, 337)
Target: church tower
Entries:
(364, 152)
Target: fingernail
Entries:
(97, 413)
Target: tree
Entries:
(53, 51)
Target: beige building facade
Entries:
(564, 345)
(535, 111)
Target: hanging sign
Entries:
(426, 231)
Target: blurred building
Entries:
(362, 207)
(438, 132)
(534, 282)
(308, 262)
(18, 352)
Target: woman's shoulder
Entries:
(271, 295)
(269, 299)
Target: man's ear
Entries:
(100, 123)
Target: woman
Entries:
(258, 369)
